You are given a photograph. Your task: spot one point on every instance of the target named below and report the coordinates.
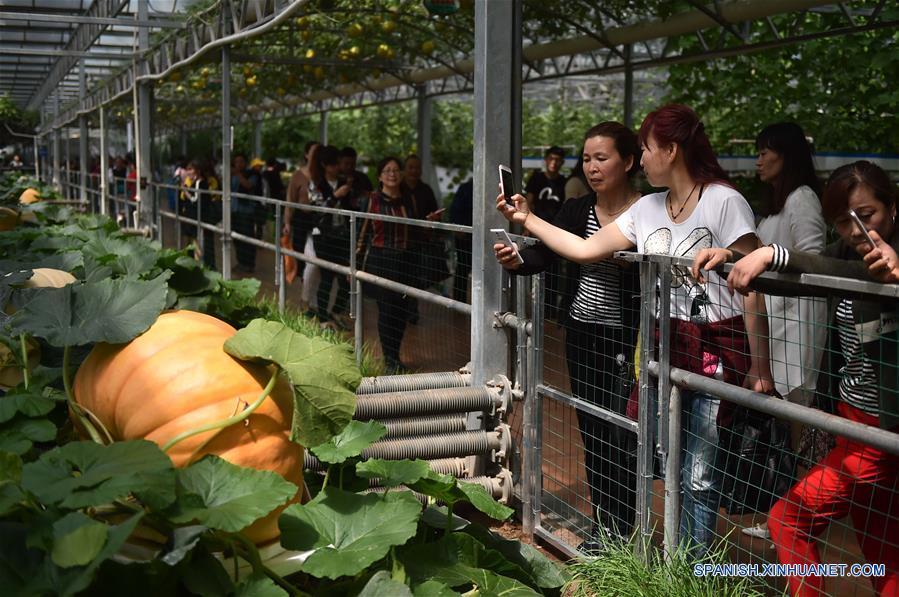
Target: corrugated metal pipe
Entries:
(427, 402)
(414, 381)
(457, 467)
(465, 443)
(424, 425)
(500, 487)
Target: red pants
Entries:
(852, 479)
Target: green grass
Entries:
(618, 572)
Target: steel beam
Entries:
(72, 55)
(144, 136)
(83, 150)
(81, 40)
(85, 20)
(226, 162)
(423, 130)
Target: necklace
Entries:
(628, 202)
(681, 210)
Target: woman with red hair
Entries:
(700, 209)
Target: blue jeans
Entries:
(700, 479)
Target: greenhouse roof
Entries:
(291, 57)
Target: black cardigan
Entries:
(573, 217)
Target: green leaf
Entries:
(393, 472)
(459, 560)
(484, 502)
(348, 531)
(545, 573)
(433, 588)
(113, 311)
(381, 584)
(182, 541)
(31, 402)
(17, 436)
(324, 375)
(10, 468)
(82, 474)
(204, 574)
(77, 539)
(259, 585)
(350, 442)
(227, 497)
(435, 516)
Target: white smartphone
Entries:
(861, 227)
(503, 237)
(505, 183)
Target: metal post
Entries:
(494, 48)
(104, 163)
(56, 173)
(83, 148)
(648, 274)
(424, 113)
(68, 166)
(279, 261)
(628, 88)
(226, 162)
(535, 376)
(37, 158)
(523, 381)
(257, 139)
(515, 94)
(355, 293)
(664, 381)
(672, 475)
(144, 133)
(323, 127)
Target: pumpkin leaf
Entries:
(17, 436)
(11, 279)
(460, 560)
(450, 491)
(348, 531)
(324, 375)
(63, 261)
(10, 468)
(183, 540)
(82, 474)
(259, 585)
(544, 572)
(393, 472)
(113, 311)
(433, 588)
(381, 584)
(77, 539)
(31, 402)
(227, 497)
(350, 442)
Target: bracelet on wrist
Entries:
(779, 259)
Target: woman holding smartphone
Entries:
(861, 374)
(600, 325)
(700, 209)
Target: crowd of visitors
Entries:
(725, 335)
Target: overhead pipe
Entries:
(415, 381)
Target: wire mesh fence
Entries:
(409, 308)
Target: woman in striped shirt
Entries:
(862, 376)
(601, 324)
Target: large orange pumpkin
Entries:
(176, 377)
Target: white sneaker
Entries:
(760, 531)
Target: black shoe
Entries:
(591, 548)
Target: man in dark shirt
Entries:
(545, 193)
(461, 213)
(545, 189)
(247, 181)
(358, 181)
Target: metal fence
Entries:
(601, 455)
(598, 446)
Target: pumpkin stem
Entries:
(70, 397)
(26, 378)
(242, 415)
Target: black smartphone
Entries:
(505, 183)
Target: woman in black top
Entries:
(196, 197)
(600, 324)
(388, 257)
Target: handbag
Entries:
(759, 466)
